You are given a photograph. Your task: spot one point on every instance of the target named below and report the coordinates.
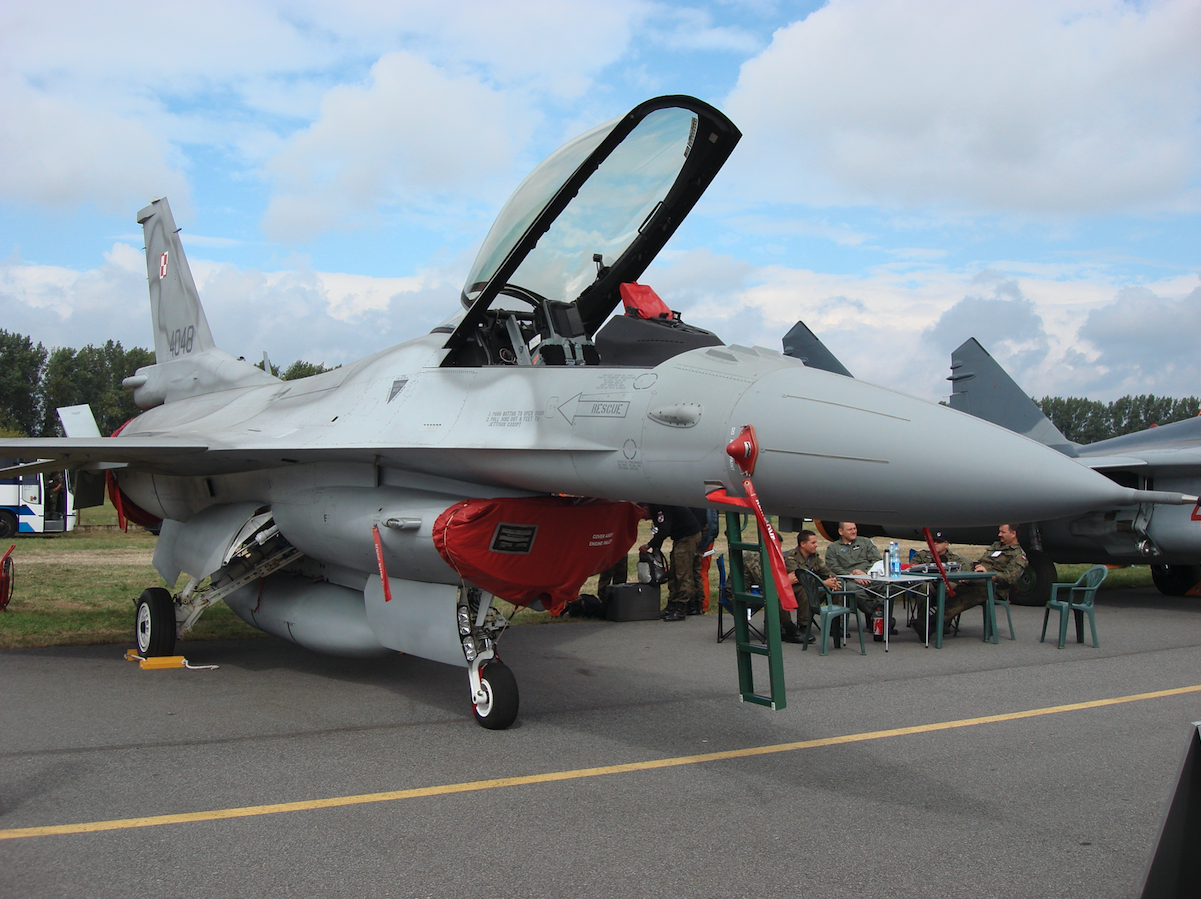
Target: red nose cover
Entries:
(536, 547)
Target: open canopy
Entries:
(596, 212)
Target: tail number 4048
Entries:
(180, 340)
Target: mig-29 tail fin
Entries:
(801, 343)
(187, 360)
(980, 387)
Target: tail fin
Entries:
(180, 328)
(980, 387)
(803, 344)
(186, 361)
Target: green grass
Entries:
(1117, 579)
(79, 588)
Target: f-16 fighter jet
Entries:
(382, 506)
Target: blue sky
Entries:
(912, 172)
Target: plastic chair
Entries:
(725, 603)
(1080, 599)
(831, 612)
(990, 615)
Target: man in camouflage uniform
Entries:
(851, 555)
(1006, 557)
(806, 556)
(752, 571)
(943, 547)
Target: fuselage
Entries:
(399, 424)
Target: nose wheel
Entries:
(494, 698)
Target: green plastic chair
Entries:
(1080, 599)
(831, 612)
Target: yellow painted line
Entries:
(251, 811)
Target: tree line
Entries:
(1087, 421)
(35, 381)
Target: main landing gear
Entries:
(160, 618)
(494, 696)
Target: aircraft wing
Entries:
(75, 452)
(165, 455)
(1101, 463)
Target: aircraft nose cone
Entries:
(837, 448)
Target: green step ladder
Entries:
(742, 602)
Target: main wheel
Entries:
(8, 524)
(1175, 580)
(499, 710)
(154, 625)
(1033, 588)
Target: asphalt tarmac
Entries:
(396, 792)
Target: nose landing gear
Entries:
(494, 696)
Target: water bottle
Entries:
(894, 558)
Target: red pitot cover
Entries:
(535, 547)
(641, 301)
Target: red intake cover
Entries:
(535, 547)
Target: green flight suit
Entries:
(843, 558)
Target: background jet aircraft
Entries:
(1168, 537)
(381, 506)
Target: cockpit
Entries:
(588, 220)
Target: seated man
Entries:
(851, 555)
(1006, 557)
(806, 556)
(943, 547)
(790, 632)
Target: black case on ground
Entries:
(633, 602)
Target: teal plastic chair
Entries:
(1000, 598)
(831, 612)
(1080, 598)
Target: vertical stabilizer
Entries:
(980, 387)
(180, 328)
(803, 344)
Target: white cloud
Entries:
(56, 152)
(1058, 330)
(293, 314)
(1146, 342)
(409, 132)
(1035, 108)
(101, 102)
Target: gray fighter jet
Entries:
(382, 506)
(1168, 537)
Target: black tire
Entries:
(1175, 580)
(500, 684)
(1033, 588)
(8, 524)
(154, 623)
